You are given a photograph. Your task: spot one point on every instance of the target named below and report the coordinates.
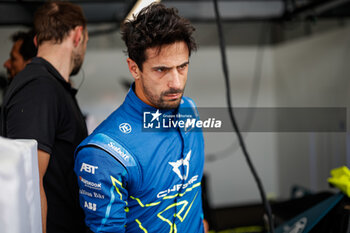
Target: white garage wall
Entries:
(312, 72)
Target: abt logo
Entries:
(90, 206)
(88, 168)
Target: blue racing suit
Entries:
(132, 180)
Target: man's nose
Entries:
(7, 64)
(175, 79)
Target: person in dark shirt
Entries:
(40, 104)
(22, 52)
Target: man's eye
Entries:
(182, 67)
(160, 69)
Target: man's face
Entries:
(79, 54)
(162, 81)
(15, 63)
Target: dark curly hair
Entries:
(155, 26)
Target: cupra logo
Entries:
(182, 162)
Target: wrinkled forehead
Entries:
(169, 53)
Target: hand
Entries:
(206, 226)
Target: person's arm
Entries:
(103, 193)
(43, 160)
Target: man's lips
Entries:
(173, 96)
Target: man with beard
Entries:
(40, 104)
(135, 178)
(22, 52)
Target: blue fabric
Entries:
(136, 181)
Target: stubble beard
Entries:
(159, 101)
(77, 62)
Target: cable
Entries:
(259, 59)
(233, 120)
(82, 79)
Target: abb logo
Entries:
(90, 206)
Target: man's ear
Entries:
(35, 41)
(78, 35)
(134, 69)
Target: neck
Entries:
(140, 93)
(59, 56)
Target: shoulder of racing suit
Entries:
(119, 152)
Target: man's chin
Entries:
(171, 104)
(75, 71)
(9, 76)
